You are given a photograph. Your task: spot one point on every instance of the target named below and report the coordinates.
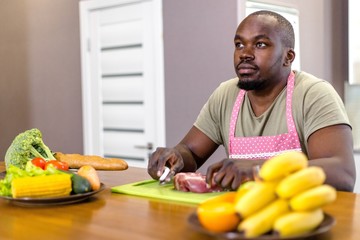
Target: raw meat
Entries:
(193, 182)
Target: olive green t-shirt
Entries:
(315, 105)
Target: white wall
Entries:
(357, 164)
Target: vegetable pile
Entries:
(33, 181)
(33, 171)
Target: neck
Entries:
(261, 100)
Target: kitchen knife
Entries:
(166, 175)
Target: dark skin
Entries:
(262, 63)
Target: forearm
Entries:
(195, 149)
(332, 149)
(188, 157)
(337, 175)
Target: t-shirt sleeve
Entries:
(323, 107)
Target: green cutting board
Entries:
(152, 189)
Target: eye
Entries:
(261, 45)
(238, 45)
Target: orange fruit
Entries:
(225, 197)
(218, 214)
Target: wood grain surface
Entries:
(116, 216)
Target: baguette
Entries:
(97, 162)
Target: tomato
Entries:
(58, 165)
(39, 162)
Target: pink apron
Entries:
(264, 147)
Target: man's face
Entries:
(259, 52)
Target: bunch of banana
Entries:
(262, 221)
(283, 165)
(260, 195)
(288, 200)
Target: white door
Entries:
(122, 77)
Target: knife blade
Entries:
(165, 175)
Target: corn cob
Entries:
(41, 186)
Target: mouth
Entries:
(246, 69)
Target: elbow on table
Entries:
(345, 182)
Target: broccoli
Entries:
(25, 147)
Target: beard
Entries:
(250, 85)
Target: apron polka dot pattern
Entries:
(264, 147)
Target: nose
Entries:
(247, 53)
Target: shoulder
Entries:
(306, 83)
(306, 79)
(317, 104)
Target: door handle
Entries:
(148, 146)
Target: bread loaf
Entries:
(99, 163)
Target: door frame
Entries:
(89, 112)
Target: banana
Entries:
(261, 194)
(262, 221)
(300, 181)
(244, 188)
(313, 198)
(283, 165)
(296, 223)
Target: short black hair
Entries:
(285, 28)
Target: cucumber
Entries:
(80, 184)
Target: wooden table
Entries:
(116, 216)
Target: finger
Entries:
(236, 181)
(211, 171)
(163, 158)
(161, 163)
(170, 158)
(157, 162)
(224, 174)
(227, 179)
(170, 176)
(152, 165)
(174, 161)
(219, 177)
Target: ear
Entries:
(289, 58)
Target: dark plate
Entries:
(54, 200)
(325, 226)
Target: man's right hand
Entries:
(162, 157)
